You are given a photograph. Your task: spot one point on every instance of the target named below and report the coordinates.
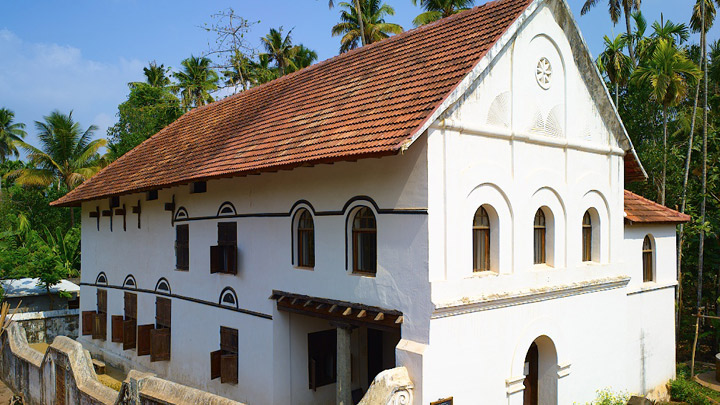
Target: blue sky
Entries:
(79, 55)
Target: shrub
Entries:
(607, 397)
(687, 391)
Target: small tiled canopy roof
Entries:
(368, 102)
(641, 210)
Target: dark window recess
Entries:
(160, 336)
(151, 195)
(306, 240)
(224, 362)
(322, 358)
(114, 202)
(364, 242)
(223, 256)
(99, 330)
(198, 187)
(182, 247)
(74, 303)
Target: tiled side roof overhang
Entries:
(641, 210)
(367, 102)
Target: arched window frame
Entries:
(101, 278)
(304, 239)
(648, 259)
(363, 237)
(227, 295)
(481, 240)
(540, 237)
(587, 237)
(130, 282)
(163, 286)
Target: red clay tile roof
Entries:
(367, 102)
(640, 209)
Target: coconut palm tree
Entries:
(280, 50)
(67, 155)
(10, 134)
(156, 76)
(437, 9)
(358, 11)
(239, 72)
(614, 63)
(304, 57)
(366, 30)
(196, 81)
(616, 9)
(668, 73)
(695, 18)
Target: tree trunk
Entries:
(701, 244)
(72, 217)
(681, 233)
(361, 24)
(631, 48)
(664, 167)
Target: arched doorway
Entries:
(540, 370)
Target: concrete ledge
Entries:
(27, 316)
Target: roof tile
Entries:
(640, 209)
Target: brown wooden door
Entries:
(531, 377)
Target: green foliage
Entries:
(608, 397)
(375, 28)
(437, 9)
(10, 134)
(147, 110)
(195, 82)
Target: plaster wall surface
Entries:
(264, 205)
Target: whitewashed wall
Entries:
(397, 182)
(514, 146)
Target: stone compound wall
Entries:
(67, 367)
(44, 326)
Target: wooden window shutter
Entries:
(160, 344)
(143, 339)
(215, 364)
(227, 233)
(100, 326)
(229, 368)
(102, 300)
(129, 334)
(88, 321)
(216, 259)
(231, 257)
(162, 312)
(229, 339)
(130, 305)
(117, 328)
(182, 247)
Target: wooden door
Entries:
(531, 376)
(59, 385)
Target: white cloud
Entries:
(36, 78)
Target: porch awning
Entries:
(338, 311)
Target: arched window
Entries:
(647, 257)
(228, 297)
(539, 237)
(305, 239)
(162, 286)
(364, 241)
(481, 240)
(587, 237)
(101, 278)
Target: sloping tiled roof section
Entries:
(641, 210)
(367, 102)
(633, 170)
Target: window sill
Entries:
(186, 270)
(304, 268)
(363, 274)
(484, 273)
(542, 267)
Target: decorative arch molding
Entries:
(181, 213)
(500, 212)
(226, 209)
(595, 202)
(542, 326)
(130, 282)
(163, 286)
(301, 204)
(101, 278)
(228, 298)
(360, 200)
(553, 206)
